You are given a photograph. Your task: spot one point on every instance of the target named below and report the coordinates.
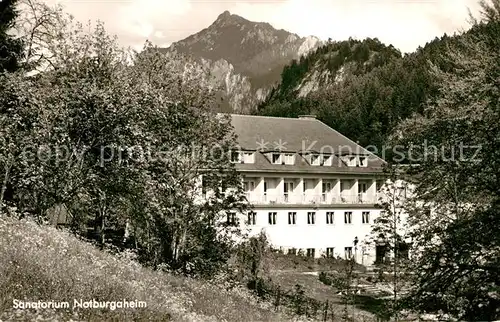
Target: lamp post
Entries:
(355, 242)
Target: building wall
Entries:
(319, 235)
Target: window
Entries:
(251, 218)
(292, 251)
(276, 158)
(326, 188)
(327, 160)
(242, 157)
(348, 217)
(292, 218)
(272, 218)
(347, 252)
(289, 158)
(362, 187)
(287, 189)
(315, 159)
(365, 217)
(235, 156)
(310, 252)
(311, 218)
(345, 186)
(231, 218)
(249, 186)
(329, 218)
(329, 252)
(350, 161)
(248, 157)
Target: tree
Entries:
(251, 258)
(19, 107)
(40, 158)
(189, 141)
(67, 126)
(125, 139)
(11, 48)
(391, 233)
(457, 179)
(362, 97)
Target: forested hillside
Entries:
(360, 88)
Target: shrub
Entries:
(323, 278)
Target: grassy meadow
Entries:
(47, 264)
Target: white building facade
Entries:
(312, 190)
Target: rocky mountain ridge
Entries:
(245, 58)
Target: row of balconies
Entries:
(306, 199)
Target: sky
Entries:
(406, 24)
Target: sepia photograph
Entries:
(249, 160)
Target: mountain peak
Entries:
(225, 15)
(228, 18)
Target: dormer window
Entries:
(289, 158)
(235, 156)
(327, 160)
(248, 157)
(355, 161)
(315, 159)
(350, 161)
(242, 157)
(276, 158)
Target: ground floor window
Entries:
(311, 218)
(310, 252)
(365, 217)
(329, 252)
(348, 217)
(252, 218)
(231, 218)
(329, 218)
(272, 218)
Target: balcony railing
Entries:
(305, 199)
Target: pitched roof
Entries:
(294, 134)
(297, 135)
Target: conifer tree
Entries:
(10, 47)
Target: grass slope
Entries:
(43, 263)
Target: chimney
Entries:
(307, 117)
